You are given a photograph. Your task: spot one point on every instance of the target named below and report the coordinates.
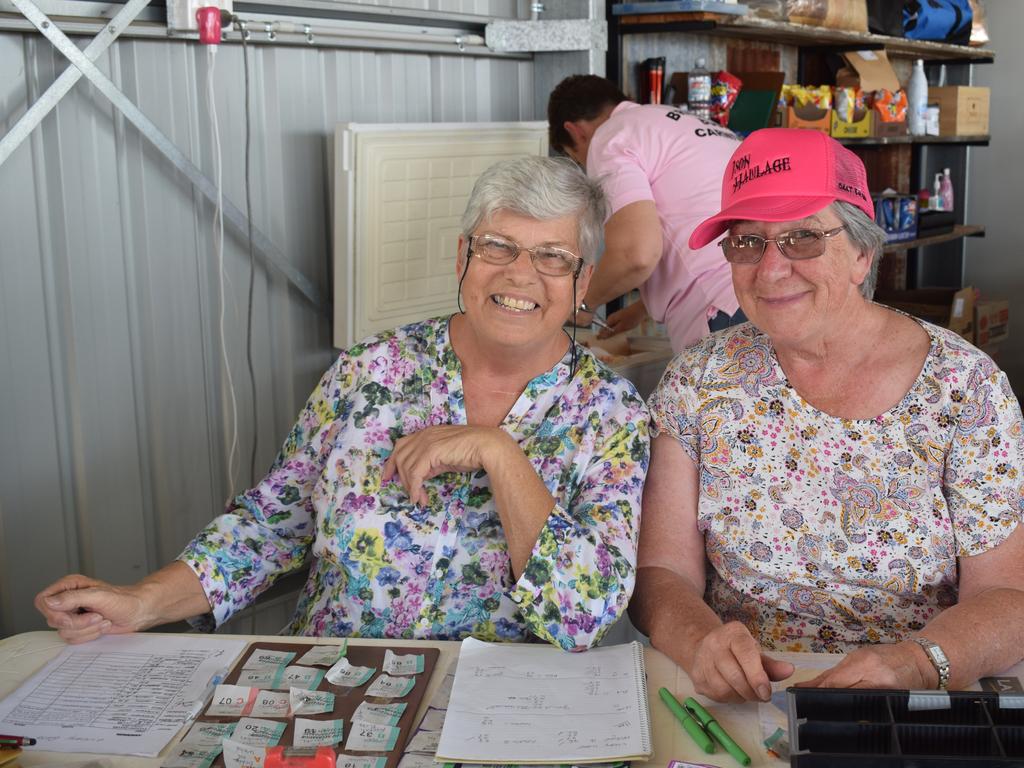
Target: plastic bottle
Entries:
(936, 198)
(917, 99)
(946, 190)
(698, 94)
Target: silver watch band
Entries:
(938, 659)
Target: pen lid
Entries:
(699, 713)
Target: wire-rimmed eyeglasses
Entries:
(796, 245)
(548, 260)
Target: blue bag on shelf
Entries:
(946, 21)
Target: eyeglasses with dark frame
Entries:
(795, 245)
(548, 260)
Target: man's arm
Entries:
(632, 249)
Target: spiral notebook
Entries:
(516, 703)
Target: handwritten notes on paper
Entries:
(120, 694)
(528, 703)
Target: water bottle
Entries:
(917, 98)
(698, 94)
(946, 190)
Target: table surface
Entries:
(22, 655)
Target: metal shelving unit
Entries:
(942, 264)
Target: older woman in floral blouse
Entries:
(853, 477)
(473, 475)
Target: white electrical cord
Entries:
(218, 247)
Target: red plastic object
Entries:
(208, 18)
(297, 757)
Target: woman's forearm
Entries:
(670, 610)
(981, 635)
(171, 594)
(522, 500)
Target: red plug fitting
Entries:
(208, 18)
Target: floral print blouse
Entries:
(384, 567)
(825, 533)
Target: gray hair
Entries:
(542, 188)
(866, 235)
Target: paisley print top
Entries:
(826, 533)
(383, 567)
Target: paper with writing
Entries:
(433, 720)
(410, 664)
(317, 733)
(117, 695)
(302, 677)
(323, 655)
(371, 737)
(514, 703)
(424, 742)
(362, 761)
(255, 732)
(387, 687)
(382, 714)
(191, 756)
(232, 700)
(261, 657)
(208, 734)
(303, 702)
(270, 704)
(345, 674)
(414, 760)
(238, 755)
(261, 677)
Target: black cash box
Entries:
(903, 729)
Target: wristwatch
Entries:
(938, 659)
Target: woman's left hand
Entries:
(886, 665)
(436, 450)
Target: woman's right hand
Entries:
(728, 666)
(81, 608)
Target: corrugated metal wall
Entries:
(113, 407)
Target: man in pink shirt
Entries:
(662, 172)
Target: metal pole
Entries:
(232, 214)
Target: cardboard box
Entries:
(808, 116)
(885, 128)
(869, 71)
(991, 321)
(859, 128)
(948, 307)
(963, 110)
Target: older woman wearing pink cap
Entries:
(853, 476)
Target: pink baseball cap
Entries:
(780, 174)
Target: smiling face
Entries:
(800, 302)
(514, 308)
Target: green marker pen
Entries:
(690, 725)
(711, 726)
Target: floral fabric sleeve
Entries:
(580, 575)
(674, 402)
(268, 530)
(984, 474)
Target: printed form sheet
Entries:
(522, 703)
(118, 695)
